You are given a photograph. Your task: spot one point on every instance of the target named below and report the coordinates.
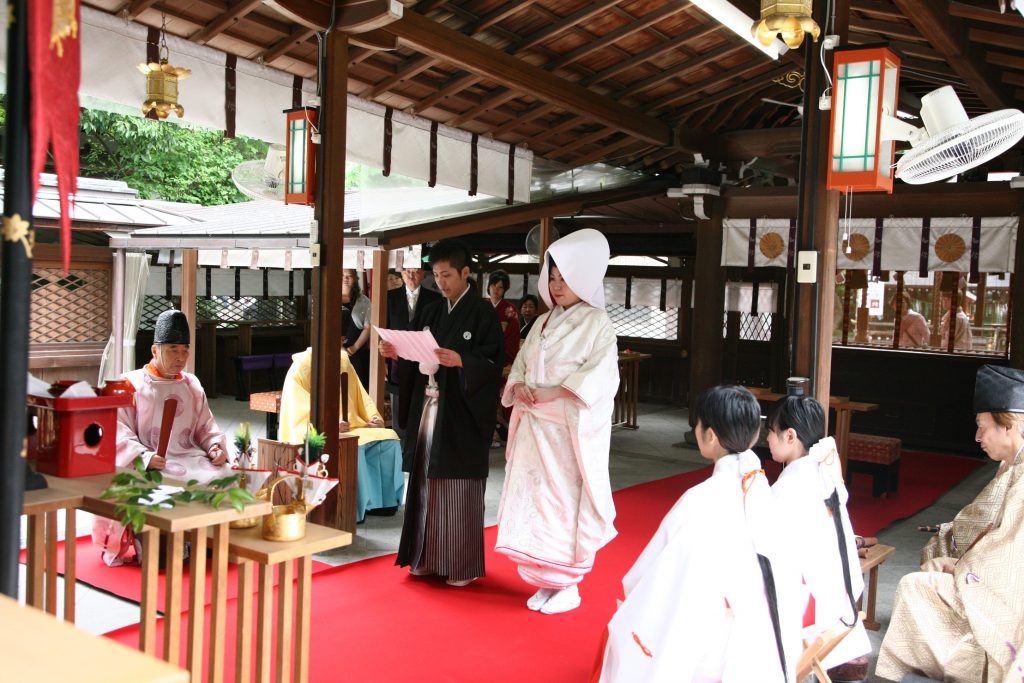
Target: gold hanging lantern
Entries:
(790, 21)
(162, 83)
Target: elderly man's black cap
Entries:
(999, 390)
(171, 328)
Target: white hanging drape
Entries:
(136, 275)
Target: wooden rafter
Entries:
(230, 16)
(696, 89)
(904, 47)
(1009, 41)
(1003, 59)
(889, 29)
(602, 153)
(456, 48)
(965, 11)
(133, 9)
(281, 47)
(882, 9)
(948, 35)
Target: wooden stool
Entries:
(878, 456)
(877, 554)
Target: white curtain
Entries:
(136, 275)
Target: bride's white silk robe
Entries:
(556, 507)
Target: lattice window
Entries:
(276, 311)
(644, 322)
(70, 308)
(756, 327)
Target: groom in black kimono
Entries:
(451, 420)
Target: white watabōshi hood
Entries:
(582, 259)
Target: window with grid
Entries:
(70, 308)
(275, 311)
(644, 322)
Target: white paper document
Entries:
(412, 345)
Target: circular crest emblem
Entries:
(771, 245)
(857, 247)
(950, 247)
(467, 335)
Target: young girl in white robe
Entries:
(556, 507)
(811, 499)
(711, 598)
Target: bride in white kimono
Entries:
(556, 507)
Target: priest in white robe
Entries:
(556, 507)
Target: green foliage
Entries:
(164, 160)
(315, 440)
(129, 489)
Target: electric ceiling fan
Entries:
(950, 142)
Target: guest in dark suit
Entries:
(404, 304)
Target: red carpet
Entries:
(372, 622)
(126, 581)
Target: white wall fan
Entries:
(262, 179)
(950, 142)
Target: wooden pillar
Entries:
(1015, 345)
(817, 224)
(117, 316)
(189, 272)
(709, 304)
(379, 318)
(15, 296)
(547, 230)
(330, 213)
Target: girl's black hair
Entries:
(734, 414)
(802, 414)
(499, 276)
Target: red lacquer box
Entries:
(74, 437)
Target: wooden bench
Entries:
(877, 554)
(878, 456)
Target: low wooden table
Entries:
(877, 554)
(247, 546)
(198, 520)
(36, 647)
(624, 415)
(41, 507)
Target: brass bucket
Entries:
(285, 522)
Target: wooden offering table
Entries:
(247, 547)
(198, 520)
(877, 554)
(624, 415)
(41, 507)
(36, 647)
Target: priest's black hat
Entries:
(999, 390)
(171, 328)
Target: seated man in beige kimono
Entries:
(964, 615)
(381, 482)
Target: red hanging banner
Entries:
(55, 60)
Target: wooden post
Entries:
(817, 226)
(379, 318)
(330, 213)
(189, 272)
(709, 304)
(117, 316)
(1015, 344)
(547, 230)
(15, 296)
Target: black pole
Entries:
(15, 295)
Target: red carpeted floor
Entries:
(372, 622)
(126, 581)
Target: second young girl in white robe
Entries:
(811, 498)
(556, 507)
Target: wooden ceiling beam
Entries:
(1003, 59)
(309, 13)
(881, 9)
(948, 35)
(233, 14)
(687, 67)
(521, 46)
(975, 13)
(456, 48)
(581, 141)
(281, 47)
(906, 48)
(1011, 41)
(133, 9)
(1013, 78)
(602, 153)
(886, 28)
(698, 88)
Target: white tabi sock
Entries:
(563, 601)
(538, 599)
